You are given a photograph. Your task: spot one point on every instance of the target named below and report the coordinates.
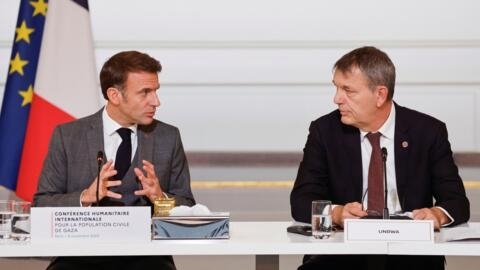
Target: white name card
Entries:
(372, 230)
(90, 224)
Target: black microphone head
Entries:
(100, 156)
(384, 153)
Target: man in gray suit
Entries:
(129, 82)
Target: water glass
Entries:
(321, 219)
(6, 214)
(21, 221)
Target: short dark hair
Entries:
(374, 63)
(115, 70)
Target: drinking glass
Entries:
(321, 219)
(6, 214)
(21, 221)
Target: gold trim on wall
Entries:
(200, 184)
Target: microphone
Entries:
(386, 215)
(99, 166)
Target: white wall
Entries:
(250, 75)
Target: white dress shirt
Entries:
(112, 139)
(386, 140)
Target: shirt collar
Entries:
(110, 126)
(388, 128)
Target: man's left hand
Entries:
(150, 184)
(433, 213)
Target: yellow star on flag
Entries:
(17, 64)
(40, 7)
(27, 95)
(23, 32)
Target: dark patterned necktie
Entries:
(124, 153)
(375, 172)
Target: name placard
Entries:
(392, 230)
(90, 224)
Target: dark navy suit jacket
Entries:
(426, 174)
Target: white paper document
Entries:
(467, 231)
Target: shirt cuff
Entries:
(80, 200)
(447, 214)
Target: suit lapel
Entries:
(94, 144)
(402, 152)
(145, 144)
(352, 152)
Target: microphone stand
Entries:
(99, 164)
(386, 214)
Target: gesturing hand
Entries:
(150, 184)
(107, 171)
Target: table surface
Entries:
(246, 238)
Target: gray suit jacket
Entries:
(71, 164)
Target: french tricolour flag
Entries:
(65, 87)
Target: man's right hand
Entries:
(89, 195)
(349, 210)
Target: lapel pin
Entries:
(404, 144)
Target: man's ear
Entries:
(113, 95)
(382, 95)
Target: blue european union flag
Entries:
(19, 87)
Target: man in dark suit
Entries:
(129, 82)
(422, 176)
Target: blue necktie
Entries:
(124, 153)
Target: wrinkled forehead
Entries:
(352, 71)
(348, 70)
